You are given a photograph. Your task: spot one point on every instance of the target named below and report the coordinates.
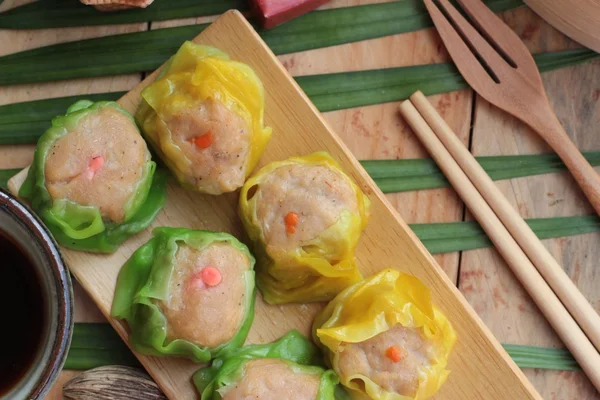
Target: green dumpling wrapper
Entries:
(293, 349)
(145, 294)
(60, 183)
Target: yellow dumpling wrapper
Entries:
(194, 74)
(375, 305)
(318, 269)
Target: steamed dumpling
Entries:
(288, 368)
(204, 117)
(317, 194)
(99, 163)
(92, 181)
(385, 339)
(272, 379)
(187, 293)
(305, 217)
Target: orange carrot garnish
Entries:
(203, 141)
(291, 221)
(211, 276)
(95, 164)
(395, 354)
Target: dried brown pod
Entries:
(112, 382)
(115, 5)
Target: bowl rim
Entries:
(25, 217)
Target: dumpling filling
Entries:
(390, 359)
(272, 379)
(216, 141)
(206, 303)
(296, 202)
(99, 163)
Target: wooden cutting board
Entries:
(480, 367)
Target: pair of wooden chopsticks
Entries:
(523, 251)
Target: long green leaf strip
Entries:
(5, 175)
(24, 122)
(65, 13)
(543, 358)
(344, 90)
(144, 281)
(293, 350)
(394, 176)
(146, 51)
(97, 344)
(461, 236)
(81, 226)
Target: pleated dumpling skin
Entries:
(304, 217)
(288, 368)
(187, 293)
(204, 117)
(385, 339)
(92, 180)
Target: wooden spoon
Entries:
(579, 19)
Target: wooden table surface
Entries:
(378, 132)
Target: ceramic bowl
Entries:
(24, 228)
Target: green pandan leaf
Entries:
(360, 88)
(64, 13)
(5, 175)
(394, 176)
(95, 345)
(146, 51)
(540, 357)
(466, 235)
(24, 122)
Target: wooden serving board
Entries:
(480, 367)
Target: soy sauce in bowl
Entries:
(23, 313)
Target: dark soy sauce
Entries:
(22, 314)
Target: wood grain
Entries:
(514, 86)
(481, 368)
(19, 40)
(580, 20)
(485, 279)
(377, 131)
(482, 198)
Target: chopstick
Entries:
(555, 312)
(553, 274)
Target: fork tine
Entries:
(493, 60)
(499, 33)
(468, 65)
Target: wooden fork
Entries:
(498, 66)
